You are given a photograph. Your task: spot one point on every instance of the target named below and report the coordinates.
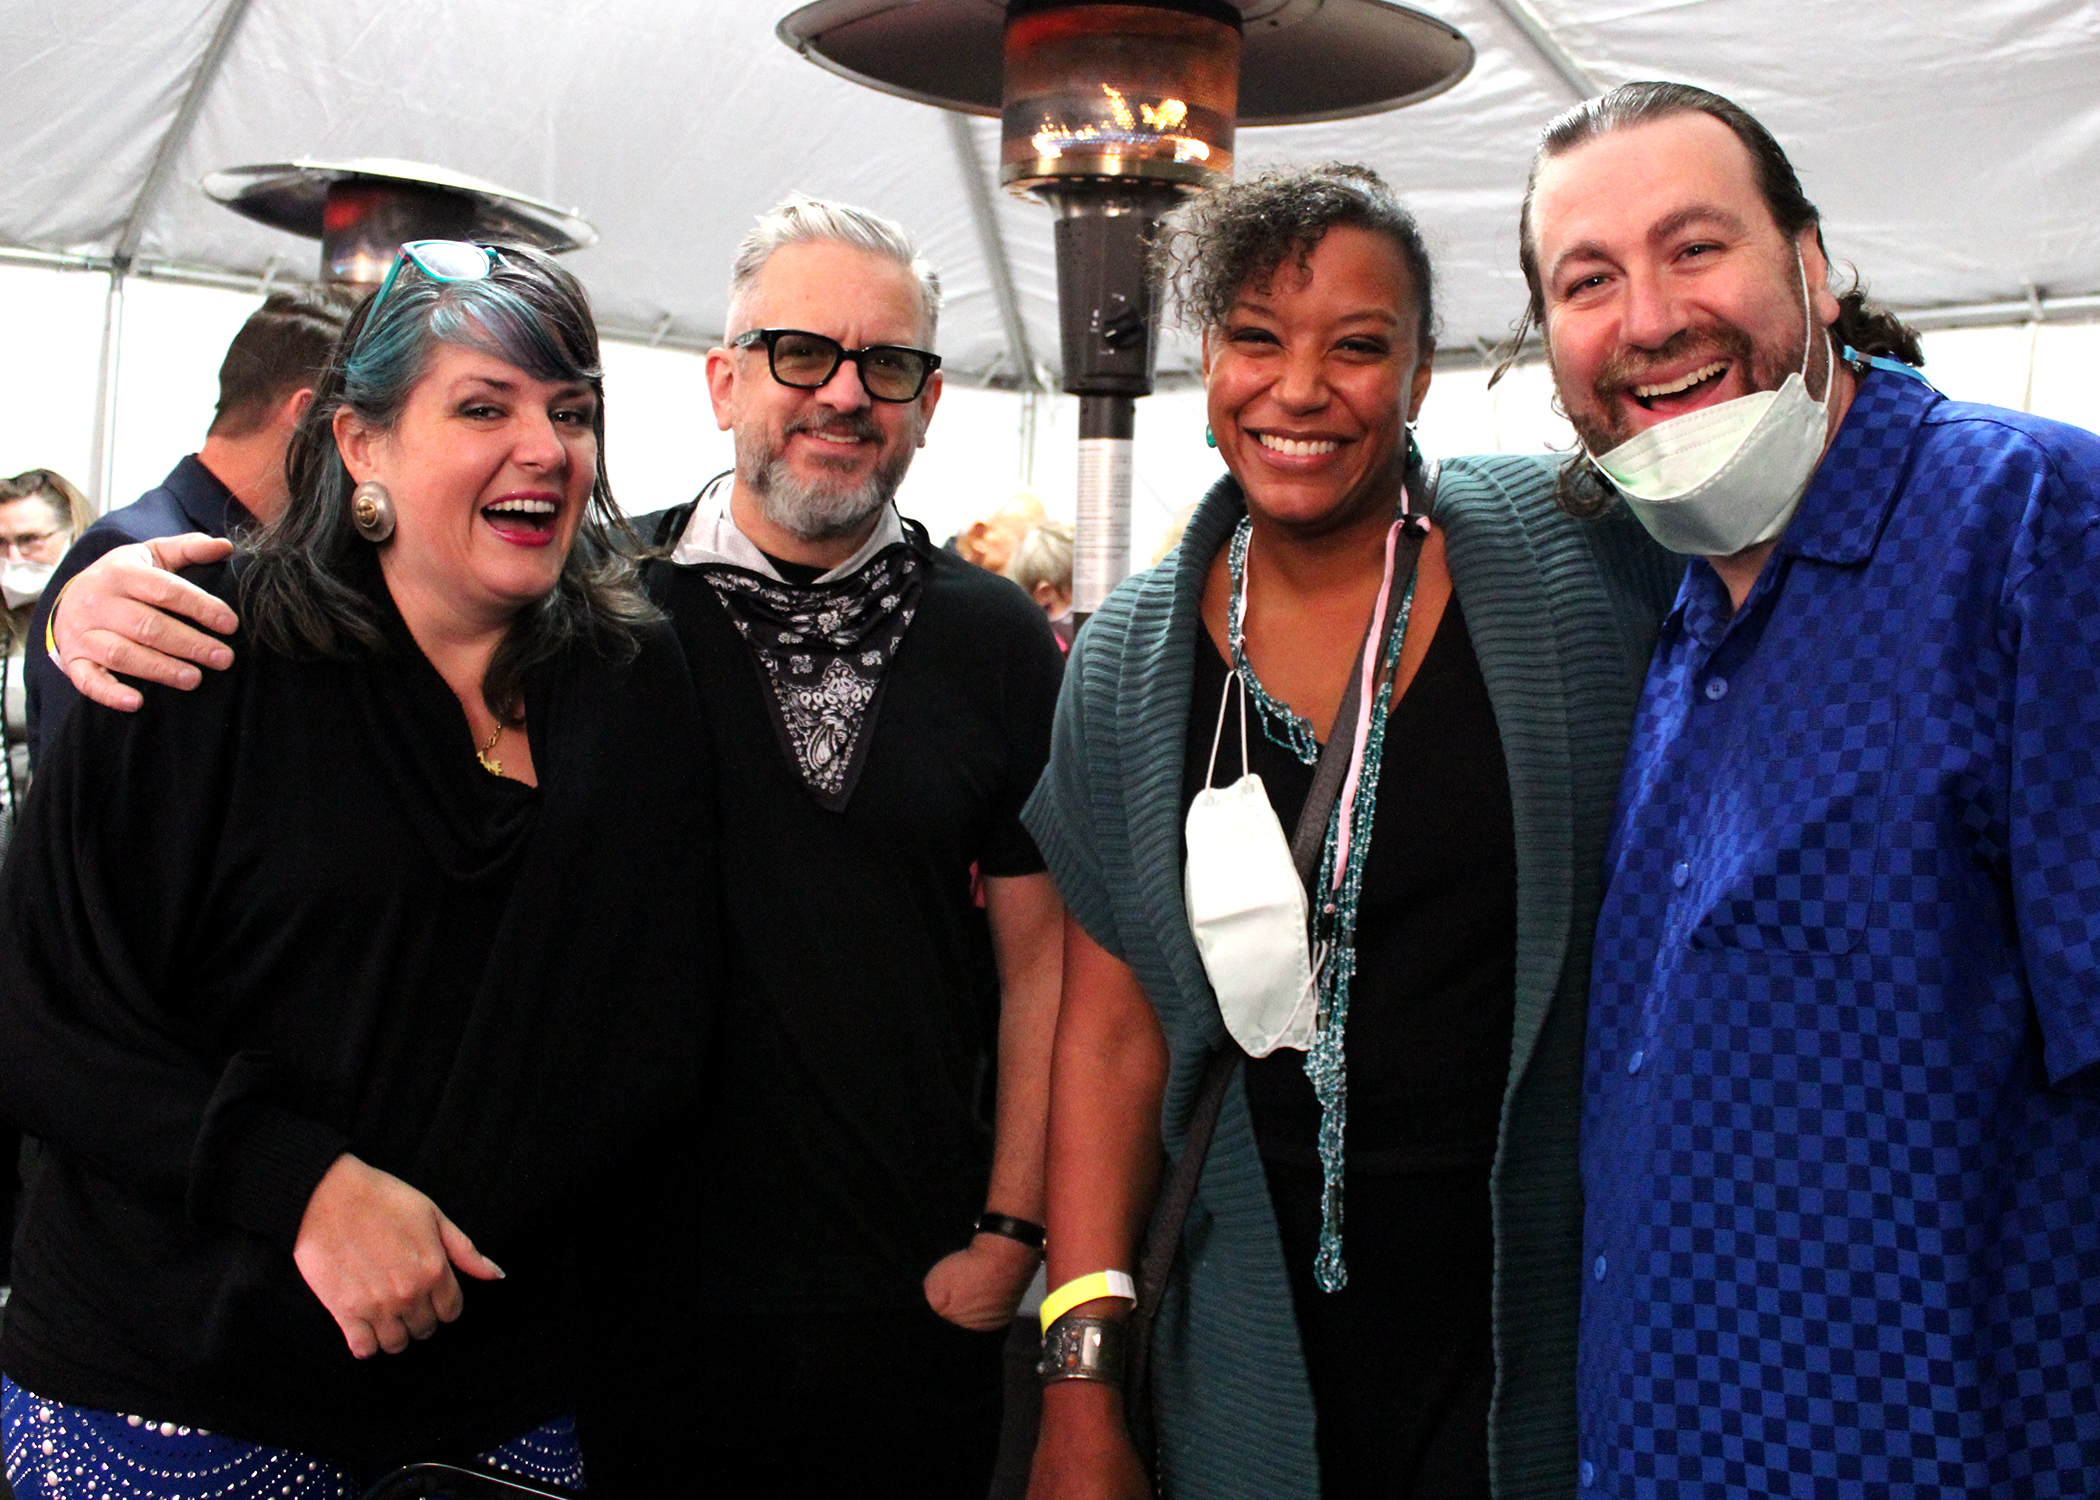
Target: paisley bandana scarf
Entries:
(824, 650)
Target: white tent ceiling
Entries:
(1953, 145)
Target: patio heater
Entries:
(363, 211)
(1109, 113)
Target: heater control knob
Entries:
(1124, 329)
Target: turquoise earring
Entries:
(1210, 439)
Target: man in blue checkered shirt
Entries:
(1841, 1137)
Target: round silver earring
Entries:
(372, 511)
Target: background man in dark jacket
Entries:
(236, 479)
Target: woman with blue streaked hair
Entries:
(316, 983)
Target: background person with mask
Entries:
(1840, 1134)
(234, 481)
(40, 514)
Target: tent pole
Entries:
(1520, 14)
(2034, 335)
(993, 247)
(1030, 412)
(102, 458)
(178, 134)
(102, 454)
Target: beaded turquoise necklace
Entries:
(1286, 731)
(1334, 918)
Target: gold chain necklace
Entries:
(492, 766)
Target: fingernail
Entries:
(221, 658)
(188, 677)
(501, 1274)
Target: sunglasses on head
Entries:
(807, 361)
(439, 260)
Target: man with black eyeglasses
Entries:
(881, 711)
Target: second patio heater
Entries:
(363, 211)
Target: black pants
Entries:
(902, 1404)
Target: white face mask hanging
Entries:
(1726, 477)
(1247, 905)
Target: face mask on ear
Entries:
(1726, 477)
(22, 581)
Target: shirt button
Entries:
(1633, 1063)
(1597, 1272)
(1716, 688)
(1681, 874)
(1589, 1473)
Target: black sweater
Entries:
(286, 916)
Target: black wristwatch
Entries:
(1011, 1228)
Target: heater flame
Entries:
(1161, 122)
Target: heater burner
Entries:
(1121, 91)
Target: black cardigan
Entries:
(286, 916)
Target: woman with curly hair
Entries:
(1376, 1286)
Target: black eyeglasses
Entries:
(807, 361)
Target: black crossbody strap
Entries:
(1177, 1195)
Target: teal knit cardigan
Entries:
(1562, 614)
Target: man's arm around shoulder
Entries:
(112, 607)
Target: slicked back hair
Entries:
(802, 220)
(282, 348)
(1867, 327)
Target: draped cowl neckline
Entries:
(474, 825)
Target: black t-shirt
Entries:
(1401, 1360)
(845, 1138)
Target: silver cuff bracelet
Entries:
(1083, 1348)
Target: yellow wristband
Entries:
(51, 623)
(1086, 1289)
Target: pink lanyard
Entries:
(1373, 663)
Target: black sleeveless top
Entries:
(1401, 1359)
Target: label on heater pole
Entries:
(1101, 541)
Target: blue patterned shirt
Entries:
(1841, 1136)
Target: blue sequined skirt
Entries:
(60, 1452)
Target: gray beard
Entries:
(815, 512)
(820, 512)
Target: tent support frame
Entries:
(102, 456)
(102, 449)
(178, 135)
(1578, 79)
(977, 189)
